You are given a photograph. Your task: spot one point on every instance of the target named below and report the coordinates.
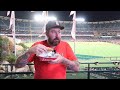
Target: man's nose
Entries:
(57, 34)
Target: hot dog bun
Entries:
(50, 49)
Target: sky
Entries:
(89, 16)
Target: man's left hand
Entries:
(59, 59)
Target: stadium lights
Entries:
(80, 19)
(38, 18)
(52, 18)
(42, 18)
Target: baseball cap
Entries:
(53, 24)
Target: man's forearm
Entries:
(22, 60)
(73, 65)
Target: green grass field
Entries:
(103, 49)
(98, 49)
(94, 51)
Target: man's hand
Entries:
(73, 65)
(38, 49)
(59, 59)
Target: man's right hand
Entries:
(39, 49)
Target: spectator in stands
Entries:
(54, 69)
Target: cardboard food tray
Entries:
(46, 58)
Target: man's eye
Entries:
(52, 32)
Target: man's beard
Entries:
(54, 42)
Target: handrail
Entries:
(87, 69)
(112, 62)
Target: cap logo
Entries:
(57, 23)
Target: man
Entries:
(54, 69)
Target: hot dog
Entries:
(50, 49)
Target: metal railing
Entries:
(86, 70)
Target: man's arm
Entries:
(72, 65)
(71, 60)
(36, 49)
(22, 60)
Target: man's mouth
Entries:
(56, 39)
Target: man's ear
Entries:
(46, 33)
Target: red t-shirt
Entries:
(45, 70)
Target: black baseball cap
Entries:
(53, 24)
